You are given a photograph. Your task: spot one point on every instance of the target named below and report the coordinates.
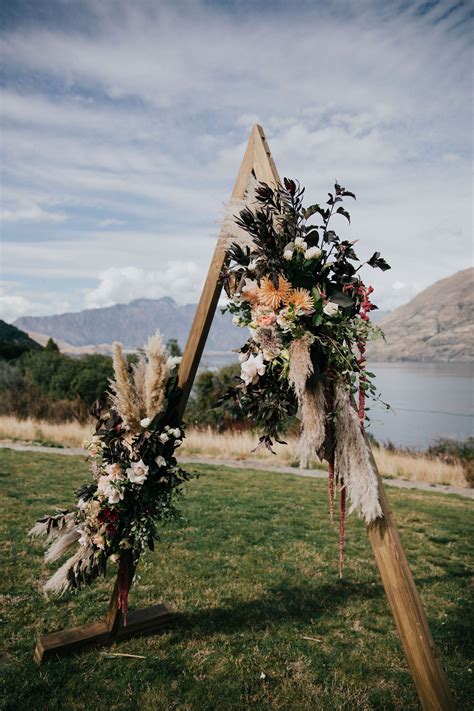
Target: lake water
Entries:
(428, 400)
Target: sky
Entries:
(124, 125)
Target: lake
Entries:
(428, 400)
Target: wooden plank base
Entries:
(99, 634)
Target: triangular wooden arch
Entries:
(400, 589)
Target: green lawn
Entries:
(262, 620)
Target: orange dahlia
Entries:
(270, 296)
(302, 300)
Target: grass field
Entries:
(262, 620)
(239, 445)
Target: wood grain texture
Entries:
(257, 160)
(405, 603)
(98, 634)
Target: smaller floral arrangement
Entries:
(135, 477)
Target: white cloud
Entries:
(121, 144)
(30, 213)
(179, 280)
(13, 304)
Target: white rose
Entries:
(178, 443)
(313, 253)
(176, 432)
(300, 244)
(161, 461)
(252, 368)
(138, 472)
(145, 422)
(288, 251)
(163, 438)
(331, 308)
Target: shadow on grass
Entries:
(297, 603)
(304, 603)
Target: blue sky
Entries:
(123, 127)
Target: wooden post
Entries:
(420, 650)
(407, 610)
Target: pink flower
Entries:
(114, 471)
(266, 319)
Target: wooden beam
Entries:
(407, 609)
(99, 634)
(257, 160)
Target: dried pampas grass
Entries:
(124, 398)
(230, 231)
(301, 367)
(157, 372)
(311, 402)
(313, 424)
(63, 543)
(352, 459)
(78, 567)
(138, 371)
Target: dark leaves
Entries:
(343, 192)
(378, 262)
(311, 210)
(341, 299)
(290, 186)
(342, 211)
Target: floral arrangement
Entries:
(135, 477)
(296, 285)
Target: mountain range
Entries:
(436, 325)
(131, 324)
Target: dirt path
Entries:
(254, 464)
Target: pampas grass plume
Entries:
(156, 375)
(124, 397)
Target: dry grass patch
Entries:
(238, 446)
(67, 434)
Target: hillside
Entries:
(437, 325)
(132, 324)
(14, 342)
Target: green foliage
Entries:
(61, 377)
(207, 405)
(173, 348)
(14, 342)
(254, 582)
(52, 346)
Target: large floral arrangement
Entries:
(297, 286)
(135, 477)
